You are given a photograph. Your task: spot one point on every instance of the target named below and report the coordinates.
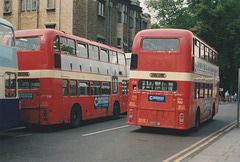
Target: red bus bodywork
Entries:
(50, 79)
(172, 88)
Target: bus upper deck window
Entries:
(56, 44)
(160, 44)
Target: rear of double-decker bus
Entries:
(160, 77)
(36, 80)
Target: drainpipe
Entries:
(110, 5)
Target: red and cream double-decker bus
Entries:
(173, 80)
(66, 79)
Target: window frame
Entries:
(86, 88)
(73, 88)
(101, 9)
(119, 59)
(7, 9)
(93, 57)
(10, 85)
(105, 87)
(80, 54)
(104, 55)
(95, 87)
(68, 43)
(113, 57)
(65, 86)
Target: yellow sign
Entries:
(23, 74)
(158, 75)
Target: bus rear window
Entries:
(28, 84)
(160, 44)
(28, 43)
(170, 86)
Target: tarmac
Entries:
(226, 149)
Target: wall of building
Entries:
(78, 17)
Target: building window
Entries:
(125, 14)
(119, 18)
(23, 5)
(131, 18)
(28, 5)
(51, 26)
(100, 40)
(34, 5)
(119, 42)
(137, 20)
(7, 6)
(101, 8)
(50, 3)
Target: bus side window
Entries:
(73, 88)
(202, 90)
(210, 90)
(56, 44)
(82, 49)
(202, 51)
(67, 46)
(196, 48)
(114, 85)
(211, 56)
(83, 88)
(65, 87)
(93, 52)
(105, 88)
(95, 88)
(206, 91)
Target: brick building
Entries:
(112, 22)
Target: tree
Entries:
(215, 21)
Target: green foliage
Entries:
(215, 21)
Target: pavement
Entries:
(226, 149)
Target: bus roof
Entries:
(3, 21)
(168, 33)
(37, 32)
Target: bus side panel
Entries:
(9, 113)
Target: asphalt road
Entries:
(105, 140)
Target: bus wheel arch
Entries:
(116, 110)
(197, 119)
(76, 115)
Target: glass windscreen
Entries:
(28, 43)
(160, 44)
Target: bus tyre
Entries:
(76, 116)
(197, 121)
(116, 110)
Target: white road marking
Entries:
(106, 130)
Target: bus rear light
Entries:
(181, 118)
(130, 114)
(45, 114)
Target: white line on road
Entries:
(106, 130)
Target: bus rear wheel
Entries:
(116, 110)
(76, 116)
